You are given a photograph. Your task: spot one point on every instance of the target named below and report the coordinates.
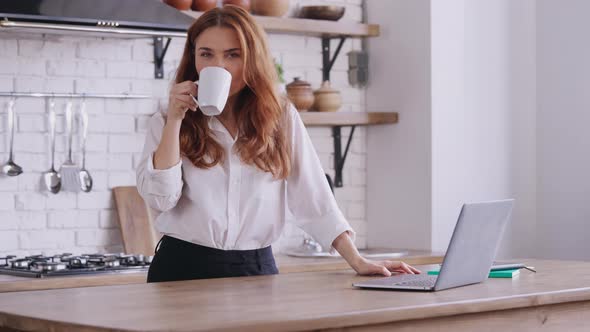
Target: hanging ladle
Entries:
(85, 178)
(51, 178)
(10, 168)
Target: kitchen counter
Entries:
(286, 264)
(556, 298)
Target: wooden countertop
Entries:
(291, 301)
(286, 264)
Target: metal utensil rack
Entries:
(51, 95)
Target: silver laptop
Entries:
(470, 253)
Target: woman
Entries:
(224, 183)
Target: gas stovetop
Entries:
(40, 266)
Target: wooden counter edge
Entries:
(293, 265)
(334, 264)
(572, 300)
(575, 301)
(72, 282)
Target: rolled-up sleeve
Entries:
(309, 198)
(161, 189)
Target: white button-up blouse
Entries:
(235, 206)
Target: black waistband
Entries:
(192, 251)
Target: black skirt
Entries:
(181, 260)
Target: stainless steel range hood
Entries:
(113, 18)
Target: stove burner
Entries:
(112, 263)
(40, 266)
(47, 266)
(22, 263)
(4, 261)
(75, 261)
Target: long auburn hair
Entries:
(260, 113)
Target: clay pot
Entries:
(203, 5)
(179, 4)
(300, 94)
(276, 8)
(327, 99)
(240, 3)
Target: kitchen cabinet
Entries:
(547, 300)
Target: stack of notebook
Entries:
(498, 270)
(493, 274)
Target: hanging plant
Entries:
(280, 71)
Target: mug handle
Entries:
(195, 99)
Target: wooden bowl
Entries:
(240, 3)
(179, 4)
(203, 5)
(276, 8)
(329, 13)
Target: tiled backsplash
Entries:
(32, 221)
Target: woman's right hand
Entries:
(181, 101)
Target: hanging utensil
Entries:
(84, 175)
(68, 170)
(51, 178)
(10, 168)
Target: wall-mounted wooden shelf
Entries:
(337, 120)
(347, 118)
(308, 27)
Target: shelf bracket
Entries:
(159, 53)
(327, 63)
(339, 158)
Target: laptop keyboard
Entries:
(415, 280)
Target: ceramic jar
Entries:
(327, 99)
(300, 94)
(276, 8)
(203, 5)
(179, 4)
(240, 3)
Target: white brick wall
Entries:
(63, 201)
(32, 221)
(8, 185)
(46, 239)
(109, 219)
(73, 219)
(6, 201)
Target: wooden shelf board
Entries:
(348, 118)
(318, 28)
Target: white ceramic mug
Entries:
(214, 84)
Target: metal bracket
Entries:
(339, 158)
(159, 53)
(327, 63)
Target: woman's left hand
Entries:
(385, 267)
